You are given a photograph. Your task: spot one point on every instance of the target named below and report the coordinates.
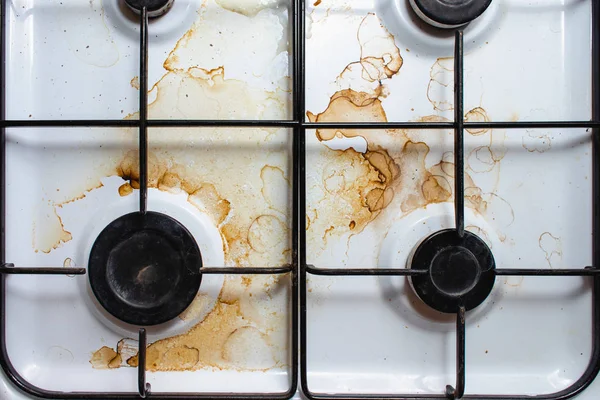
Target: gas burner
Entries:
(155, 8)
(460, 271)
(449, 13)
(144, 269)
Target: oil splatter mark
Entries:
(213, 343)
(552, 248)
(481, 159)
(490, 148)
(96, 46)
(69, 263)
(105, 358)
(254, 31)
(477, 114)
(538, 143)
(441, 79)
(135, 82)
(491, 206)
(273, 178)
(48, 230)
(379, 60)
(514, 281)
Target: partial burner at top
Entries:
(144, 269)
(460, 271)
(155, 8)
(449, 13)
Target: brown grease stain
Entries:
(477, 114)
(208, 344)
(135, 82)
(105, 358)
(49, 232)
(246, 194)
(356, 186)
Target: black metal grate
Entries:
(299, 269)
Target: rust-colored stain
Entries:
(135, 82)
(48, 231)
(105, 358)
(238, 177)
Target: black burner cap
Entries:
(460, 271)
(449, 13)
(144, 269)
(155, 8)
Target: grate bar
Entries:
(311, 269)
(459, 391)
(143, 386)
(151, 123)
(9, 268)
(246, 270)
(459, 150)
(547, 272)
(143, 128)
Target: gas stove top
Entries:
(261, 199)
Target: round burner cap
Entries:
(144, 269)
(155, 8)
(460, 271)
(449, 13)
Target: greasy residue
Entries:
(251, 209)
(393, 172)
(240, 178)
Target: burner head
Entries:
(449, 13)
(155, 8)
(144, 269)
(460, 271)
